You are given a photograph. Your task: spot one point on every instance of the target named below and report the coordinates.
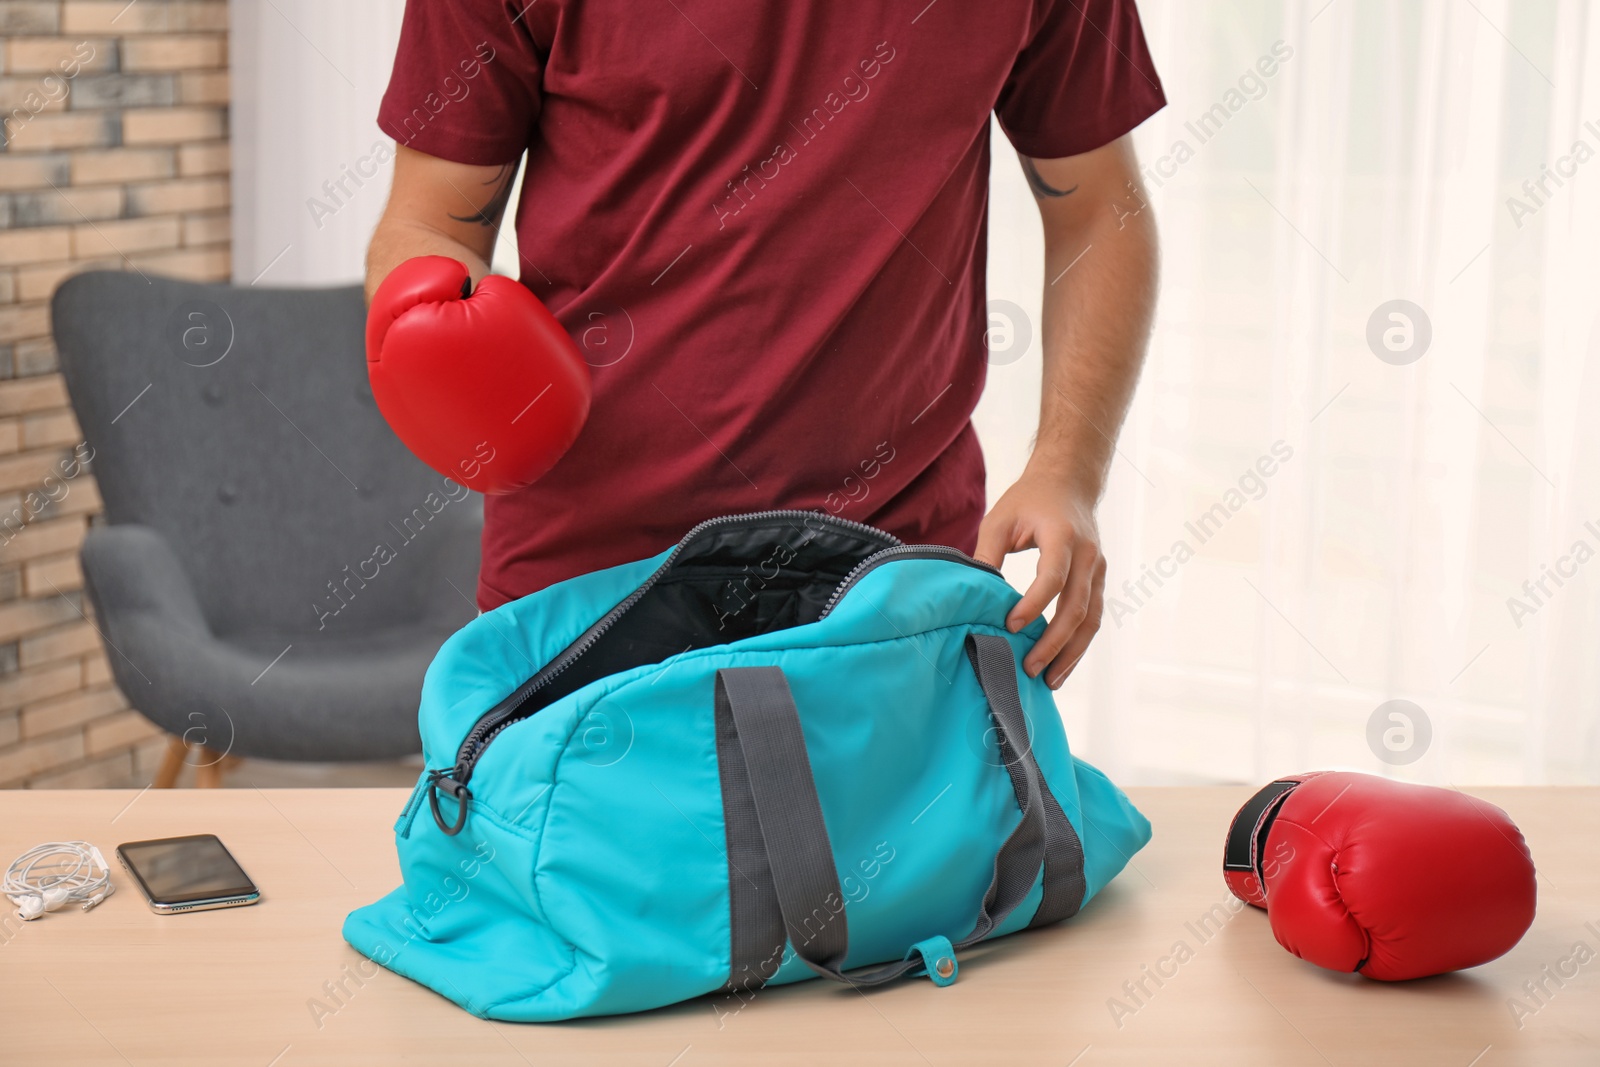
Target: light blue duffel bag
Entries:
(787, 746)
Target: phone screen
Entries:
(176, 870)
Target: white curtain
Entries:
(1383, 159)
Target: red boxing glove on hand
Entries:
(1393, 881)
(485, 388)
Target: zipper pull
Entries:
(446, 781)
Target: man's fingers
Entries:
(1072, 607)
(1055, 560)
(995, 538)
(1067, 660)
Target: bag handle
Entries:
(783, 881)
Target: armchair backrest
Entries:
(238, 423)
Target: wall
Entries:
(311, 169)
(115, 156)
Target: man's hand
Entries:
(458, 358)
(1045, 512)
(457, 372)
(1099, 297)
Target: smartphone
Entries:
(194, 873)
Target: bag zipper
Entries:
(899, 552)
(453, 780)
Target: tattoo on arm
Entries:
(1037, 183)
(502, 179)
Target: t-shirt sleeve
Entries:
(465, 85)
(1084, 79)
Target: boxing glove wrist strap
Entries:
(1247, 836)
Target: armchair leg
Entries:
(172, 762)
(212, 766)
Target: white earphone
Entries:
(57, 873)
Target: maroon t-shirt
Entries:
(765, 225)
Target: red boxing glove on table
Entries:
(1390, 880)
(485, 387)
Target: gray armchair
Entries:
(275, 570)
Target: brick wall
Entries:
(115, 155)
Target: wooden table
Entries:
(260, 986)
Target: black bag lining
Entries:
(727, 584)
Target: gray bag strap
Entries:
(783, 883)
(996, 666)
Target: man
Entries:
(765, 225)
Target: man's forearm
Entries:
(1099, 299)
(439, 208)
(397, 240)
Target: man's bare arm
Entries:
(439, 208)
(1099, 299)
